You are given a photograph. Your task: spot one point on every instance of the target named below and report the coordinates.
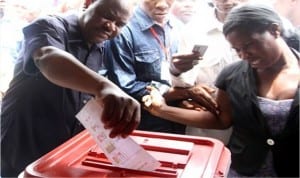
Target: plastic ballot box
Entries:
(180, 156)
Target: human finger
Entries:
(128, 122)
(204, 98)
(115, 116)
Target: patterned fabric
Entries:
(276, 114)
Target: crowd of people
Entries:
(226, 69)
(16, 14)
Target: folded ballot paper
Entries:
(122, 152)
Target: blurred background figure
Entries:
(289, 9)
(205, 28)
(187, 14)
(190, 15)
(185, 10)
(3, 76)
(2, 5)
(15, 15)
(289, 12)
(69, 6)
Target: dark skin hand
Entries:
(199, 97)
(156, 105)
(117, 116)
(184, 62)
(121, 112)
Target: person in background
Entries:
(289, 9)
(207, 31)
(142, 54)
(2, 6)
(59, 74)
(290, 13)
(70, 6)
(184, 10)
(258, 96)
(6, 59)
(16, 15)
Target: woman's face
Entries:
(261, 50)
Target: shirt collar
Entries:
(145, 22)
(215, 25)
(74, 31)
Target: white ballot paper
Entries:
(122, 152)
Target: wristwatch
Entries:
(162, 88)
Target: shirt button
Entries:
(270, 142)
(84, 101)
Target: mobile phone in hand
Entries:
(200, 49)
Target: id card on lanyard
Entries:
(164, 73)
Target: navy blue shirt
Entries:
(38, 115)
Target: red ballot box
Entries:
(180, 156)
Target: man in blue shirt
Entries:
(142, 53)
(62, 56)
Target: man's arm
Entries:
(65, 70)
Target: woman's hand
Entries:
(201, 98)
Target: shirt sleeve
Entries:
(232, 74)
(221, 78)
(185, 79)
(43, 32)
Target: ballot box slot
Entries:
(160, 172)
(167, 136)
(166, 150)
(96, 151)
(178, 161)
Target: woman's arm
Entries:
(196, 97)
(156, 105)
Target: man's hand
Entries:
(121, 112)
(184, 62)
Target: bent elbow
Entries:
(41, 54)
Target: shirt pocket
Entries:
(148, 65)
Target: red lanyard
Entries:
(163, 47)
